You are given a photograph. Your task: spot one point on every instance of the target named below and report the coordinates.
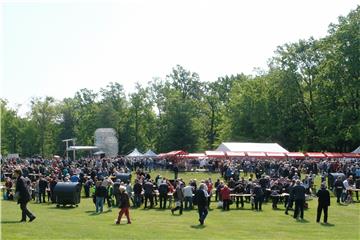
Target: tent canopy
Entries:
(235, 154)
(296, 155)
(275, 155)
(256, 154)
(250, 147)
(135, 153)
(175, 153)
(99, 153)
(215, 153)
(315, 155)
(351, 155)
(334, 155)
(195, 155)
(150, 153)
(357, 150)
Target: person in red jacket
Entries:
(124, 205)
(225, 195)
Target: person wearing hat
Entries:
(124, 205)
(323, 202)
(23, 196)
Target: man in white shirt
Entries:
(188, 195)
(348, 185)
(347, 182)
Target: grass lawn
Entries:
(83, 223)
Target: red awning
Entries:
(351, 155)
(295, 155)
(256, 154)
(161, 155)
(194, 155)
(334, 155)
(315, 155)
(235, 154)
(215, 153)
(276, 155)
(175, 153)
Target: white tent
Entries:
(150, 153)
(357, 150)
(251, 147)
(135, 154)
(99, 153)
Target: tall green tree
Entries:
(10, 129)
(44, 114)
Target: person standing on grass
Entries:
(258, 196)
(100, 194)
(225, 196)
(23, 196)
(299, 198)
(148, 192)
(137, 192)
(163, 191)
(201, 200)
(176, 171)
(178, 198)
(323, 202)
(339, 187)
(42, 188)
(124, 205)
(188, 195)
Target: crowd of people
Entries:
(289, 182)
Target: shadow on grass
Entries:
(198, 226)
(241, 209)
(327, 225)
(67, 207)
(10, 222)
(302, 221)
(162, 209)
(278, 209)
(94, 213)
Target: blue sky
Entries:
(54, 48)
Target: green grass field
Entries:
(83, 223)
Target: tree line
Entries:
(307, 100)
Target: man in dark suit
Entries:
(323, 202)
(23, 196)
(148, 192)
(201, 200)
(42, 188)
(299, 198)
(163, 191)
